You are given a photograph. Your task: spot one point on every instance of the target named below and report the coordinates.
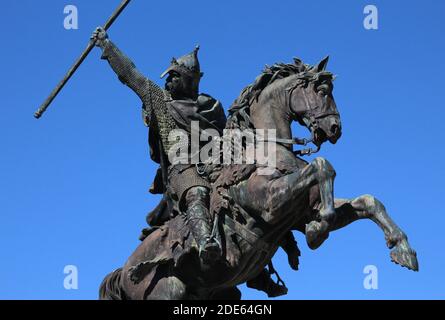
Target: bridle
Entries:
(311, 119)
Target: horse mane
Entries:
(239, 115)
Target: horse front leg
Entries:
(368, 207)
(285, 190)
(317, 231)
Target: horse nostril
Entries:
(335, 129)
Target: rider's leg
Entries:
(198, 219)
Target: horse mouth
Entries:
(336, 134)
(319, 137)
(334, 139)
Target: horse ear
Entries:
(322, 64)
(297, 61)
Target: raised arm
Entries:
(121, 64)
(147, 90)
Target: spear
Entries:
(78, 62)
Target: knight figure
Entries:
(176, 107)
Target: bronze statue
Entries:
(219, 224)
(253, 214)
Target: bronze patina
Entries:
(219, 224)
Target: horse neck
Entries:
(271, 112)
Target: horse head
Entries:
(283, 93)
(312, 102)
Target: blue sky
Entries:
(74, 185)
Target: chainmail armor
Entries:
(155, 110)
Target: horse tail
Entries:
(111, 289)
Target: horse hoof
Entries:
(293, 257)
(316, 234)
(276, 290)
(294, 262)
(403, 255)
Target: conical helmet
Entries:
(187, 65)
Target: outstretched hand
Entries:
(99, 36)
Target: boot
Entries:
(198, 219)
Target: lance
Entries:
(78, 62)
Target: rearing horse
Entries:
(255, 211)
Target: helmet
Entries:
(188, 67)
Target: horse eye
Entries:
(324, 89)
(321, 91)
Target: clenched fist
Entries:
(99, 36)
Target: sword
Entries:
(78, 62)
